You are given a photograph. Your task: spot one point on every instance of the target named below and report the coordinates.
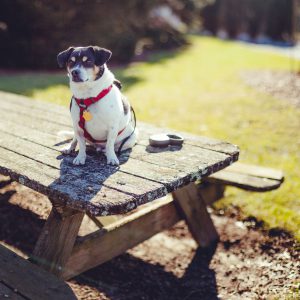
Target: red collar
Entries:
(88, 101)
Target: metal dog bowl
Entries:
(159, 140)
(164, 140)
(175, 139)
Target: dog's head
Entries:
(84, 63)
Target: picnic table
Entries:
(30, 154)
(21, 280)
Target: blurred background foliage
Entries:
(33, 32)
(247, 19)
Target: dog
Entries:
(101, 114)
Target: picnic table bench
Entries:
(30, 154)
(21, 280)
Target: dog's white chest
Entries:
(102, 115)
(98, 125)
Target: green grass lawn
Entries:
(198, 89)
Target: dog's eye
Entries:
(71, 61)
(88, 63)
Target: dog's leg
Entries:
(110, 146)
(80, 158)
(129, 143)
(71, 147)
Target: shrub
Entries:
(33, 32)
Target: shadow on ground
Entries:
(124, 277)
(128, 277)
(19, 227)
(247, 264)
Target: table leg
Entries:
(190, 203)
(57, 239)
(116, 238)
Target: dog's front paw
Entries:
(79, 160)
(112, 160)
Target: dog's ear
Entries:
(102, 55)
(63, 56)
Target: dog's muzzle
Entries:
(76, 76)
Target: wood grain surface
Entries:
(20, 279)
(30, 154)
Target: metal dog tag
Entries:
(87, 115)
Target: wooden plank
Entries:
(88, 180)
(244, 181)
(47, 180)
(167, 176)
(57, 239)
(189, 159)
(39, 109)
(116, 238)
(79, 189)
(145, 129)
(145, 169)
(35, 114)
(29, 123)
(30, 280)
(8, 293)
(184, 171)
(256, 171)
(150, 129)
(49, 141)
(193, 208)
(138, 168)
(22, 101)
(189, 139)
(159, 171)
(67, 188)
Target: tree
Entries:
(33, 32)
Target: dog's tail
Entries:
(65, 134)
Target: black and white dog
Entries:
(101, 115)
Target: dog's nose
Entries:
(75, 73)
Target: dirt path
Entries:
(281, 84)
(248, 263)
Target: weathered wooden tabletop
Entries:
(30, 154)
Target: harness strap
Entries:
(128, 137)
(83, 104)
(86, 134)
(88, 101)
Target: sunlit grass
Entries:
(52, 87)
(59, 94)
(199, 90)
